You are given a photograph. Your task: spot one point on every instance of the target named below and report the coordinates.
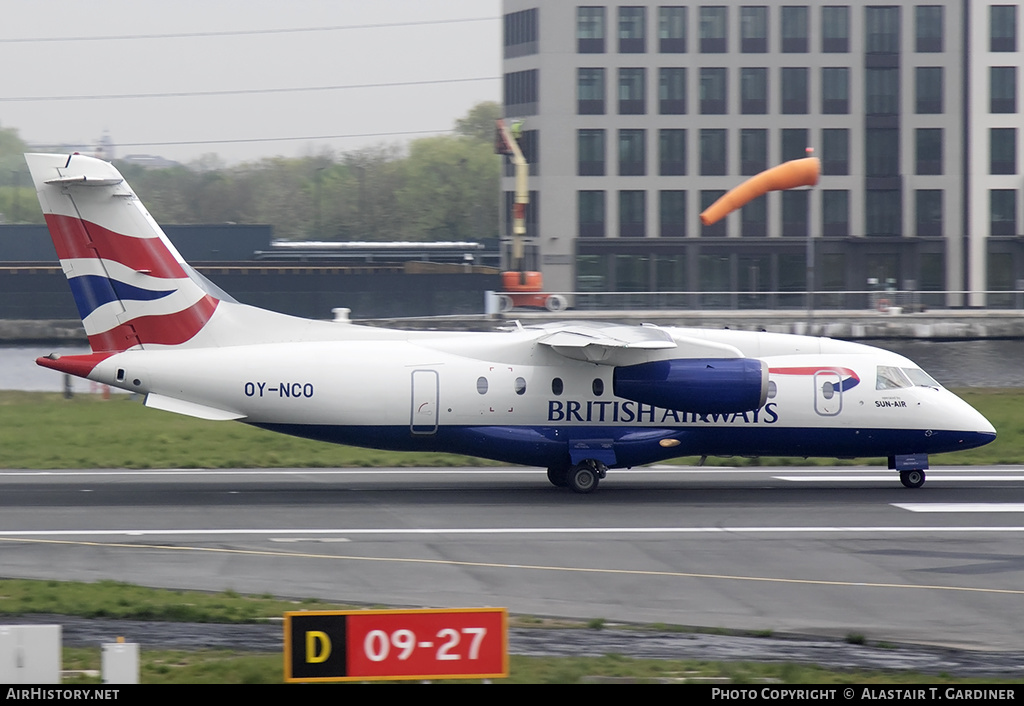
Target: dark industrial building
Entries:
(374, 280)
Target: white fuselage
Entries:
(413, 391)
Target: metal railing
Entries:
(890, 301)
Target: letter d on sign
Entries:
(318, 646)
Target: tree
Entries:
(479, 121)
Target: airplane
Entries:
(576, 398)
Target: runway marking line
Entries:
(961, 507)
(532, 567)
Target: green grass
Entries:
(113, 599)
(229, 667)
(45, 431)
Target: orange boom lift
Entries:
(521, 288)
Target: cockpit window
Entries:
(891, 378)
(920, 378)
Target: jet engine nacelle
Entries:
(700, 385)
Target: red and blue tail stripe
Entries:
(129, 283)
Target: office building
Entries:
(638, 116)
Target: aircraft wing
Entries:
(613, 344)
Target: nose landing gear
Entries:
(912, 479)
(911, 468)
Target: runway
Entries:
(818, 551)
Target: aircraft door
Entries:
(828, 393)
(424, 414)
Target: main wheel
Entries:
(559, 476)
(912, 479)
(555, 302)
(583, 478)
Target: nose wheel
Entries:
(912, 479)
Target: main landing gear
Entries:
(581, 478)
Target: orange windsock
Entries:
(797, 172)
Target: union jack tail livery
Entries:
(131, 286)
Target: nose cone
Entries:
(973, 428)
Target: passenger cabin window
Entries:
(481, 385)
(598, 387)
(557, 386)
(520, 386)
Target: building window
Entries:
(882, 91)
(835, 90)
(712, 92)
(590, 30)
(521, 91)
(591, 214)
(672, 30)
(754, 218)
(632, 153)
(882, 30)
(632, 214)
(672, 214)
(835, 149)
(672, 152)
(754, 29)
(928, 89)
(754, 91)
(882, 152)
(712, 30)
(835, 29)
(794, 29)
(1003, 210)
(589, 91)
(1002, 82)
(712, 152)
(632, 98)
(1003, 28)
(835, 212)
(794, 90)
(632, 30)
(632, 274)
(670, 272)
(883, 212)
(672, 91)
(590, 153)
(794, 213)
(521, 33)
(928, 152)
(1002, 150)
(794, 143)
(928, 30)
(928, 212)
(753, 151)
(708, 197)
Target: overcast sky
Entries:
(450, 50)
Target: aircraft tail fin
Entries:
(130, 285)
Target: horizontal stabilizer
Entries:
(83, 180)
(191, 409)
